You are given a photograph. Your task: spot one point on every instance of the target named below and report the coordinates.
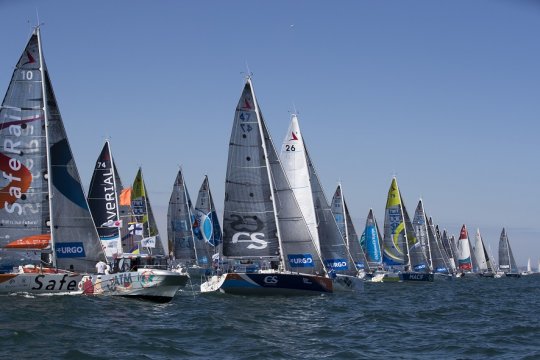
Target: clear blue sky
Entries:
(444, 94)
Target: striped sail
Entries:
(463, 251)
(261, 215)
(449, 249)
(40, 189)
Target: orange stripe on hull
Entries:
(31, 242)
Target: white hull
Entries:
(347, 283)
(151, 284)
(40, 283)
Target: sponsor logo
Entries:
(255, 240)
(416, 276)
(40, 283)
(70, 250)
(300, 260)
(337, 264)
(271, 280)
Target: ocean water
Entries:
(469, 318)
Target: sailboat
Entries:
(206, 227)
(371, 245)
(44, 215)
(333, 245)
(464, 252)
(346, 227)
(507, 263)
(440, 263)
(529, 268)
(263, 228)
(484, 261)
(401, 248)
(449, 248)
(140, 274)
(188, 251)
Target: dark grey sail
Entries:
(334, 250)
(439, 260)
(347, 229)
(185, 247)
(261, 216)
(507, 263)
(42, 197)
(420, 227)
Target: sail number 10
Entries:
(27, 74)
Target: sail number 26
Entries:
(290, 148)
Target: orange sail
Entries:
(31, 242)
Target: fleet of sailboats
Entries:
(280, 234)
(143, 272)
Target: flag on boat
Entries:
(125, 197)
(112, 223)
(149, 242)
(135, 228)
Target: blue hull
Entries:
(275, 284)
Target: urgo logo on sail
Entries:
(300, 260)
(70, 250)
(337, 264)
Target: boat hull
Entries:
(148, 284)
(347, 283)
(416, 277)
(515, 275)
(40, 283)
(268, 284)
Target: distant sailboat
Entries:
(264, 231)
(529, 268)
(188, 251)
(206, 227)
(401, 247)
(44, 215)
(464, 251)
(486, 267)
(449, 248)
(440, 262)
(347, 229)
(137, 275)
(507, 263)
(301, 173)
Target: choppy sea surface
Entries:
(469, 318)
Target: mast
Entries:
(345, 215)
(269, 174)
(48, 146)
(190, 216)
